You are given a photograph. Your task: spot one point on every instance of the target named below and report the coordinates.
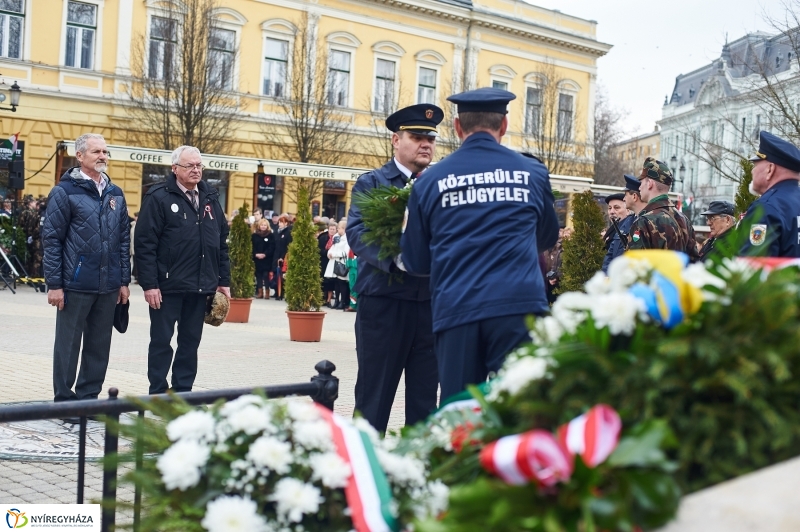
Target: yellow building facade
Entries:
(74, 59)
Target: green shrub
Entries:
(303, 287)
(240, 249)
(743, 196)
(583, 252)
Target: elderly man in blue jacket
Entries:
(86, 238)
(393, 323)
(484, 282)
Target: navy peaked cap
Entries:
(485, 100)
(618, 196)
(776, 150)
(421, 119)
(718, 207)
(631, 183)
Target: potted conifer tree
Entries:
(240, 250)
(303, 288)
(584, 250)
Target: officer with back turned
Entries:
(393, 323)
(772, 220)
(484, 283)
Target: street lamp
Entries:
(674, 161)
(15, 93)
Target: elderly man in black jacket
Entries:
(86, 240)
(182, 257)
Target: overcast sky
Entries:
(655, 41)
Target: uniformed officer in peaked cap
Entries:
(772, 220)
(485, 279)
(393, 323)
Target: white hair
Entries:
(176, 155)
(83, 140)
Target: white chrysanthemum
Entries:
(313, 435)
(251, 419)
(363, 425)
(295, 498)
(737, 265)
(404, 470)
(598, 285)
(618, 312)
(272, 453)
(195, 425)
(330, 469)
(237, 404)
(180, 464)
(302, 411)
(439, 495)
(624, 272)
(233, 514)
(697, 275)
(547, 330)
(514, 377)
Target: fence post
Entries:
(328, 384)
(110, 460)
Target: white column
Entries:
(458, 67)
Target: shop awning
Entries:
(131, 154)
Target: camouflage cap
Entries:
(656, 170)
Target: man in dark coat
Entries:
(721, 221)
(182, 257)
(484, 282)
(773, 220)
(87, 269)
(619, 212)
(393, 321)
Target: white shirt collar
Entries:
(100, 185)
(406, 171)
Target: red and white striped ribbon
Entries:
(593, 436)
(521, 458)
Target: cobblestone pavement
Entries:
(232, 355)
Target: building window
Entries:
(565, 109)
(81, 29)
(222, 46)
(757, 128)
(426, 90)
(744, 128)
(163, 43)
(500, 85)
(384, 85)
(11, 19)
(339, 78)
(276, 64)
(533, 110)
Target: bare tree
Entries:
(376, 146)
(310, 126)
(608, 168)
(181, 88)
(550, 129)
(447, 141)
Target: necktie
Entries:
(193, 198)
(414, 175)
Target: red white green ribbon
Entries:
(368, 493)
(538, 456)
(462, 401)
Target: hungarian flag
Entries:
(11, 144)
(688, 201)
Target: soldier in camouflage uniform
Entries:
(660, 225)
(29, 222)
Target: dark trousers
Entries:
(188, 311)
(262, 277)
(88, 317)
(393, 335)
(342, 293)
(467, 353)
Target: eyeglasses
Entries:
(191, 167)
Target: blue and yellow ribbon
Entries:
(668, 298)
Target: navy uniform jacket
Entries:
(615, 249)
(777, 228)
(373, 274)
(476, 223)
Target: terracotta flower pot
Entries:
(240, 310)
(305, 326)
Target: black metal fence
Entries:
(323, 389)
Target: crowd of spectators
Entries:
(26, 216)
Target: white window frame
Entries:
(341, 41)
(395, 96)
(280, 30)
(23, 36)
(570, 88)
(162, 15)
(97, 56)
(525, 129)
(434, 61)
(233, 53)
(233, 21)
